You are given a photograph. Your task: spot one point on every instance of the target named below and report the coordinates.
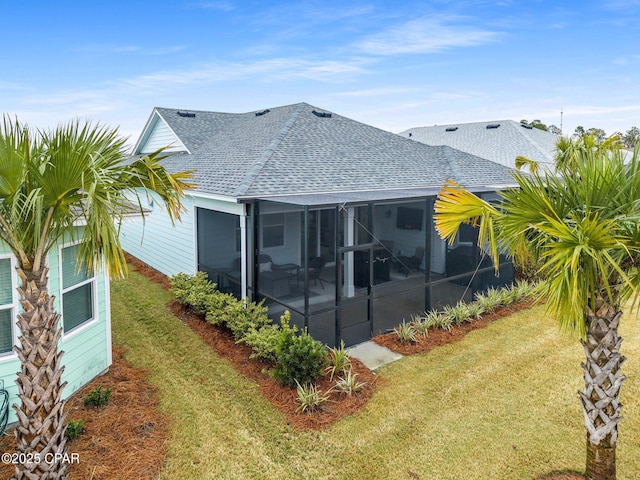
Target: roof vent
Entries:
(186, 114)
(528, 127)
(321, 114)
(264, 112)
(452, 129)
(492, 125)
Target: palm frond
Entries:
(522, 161)
(456, 206)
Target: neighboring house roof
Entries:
(500, 141)
(300, 150)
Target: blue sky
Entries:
(394, 65)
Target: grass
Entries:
(500, 404)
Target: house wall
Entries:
(169, 248)
(165, 247)
(87, 349)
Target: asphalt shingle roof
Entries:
(501, 145)
(290, 150)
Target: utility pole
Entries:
(560, 120)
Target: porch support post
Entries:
(305, 264)
(244, 292)
(349, 239)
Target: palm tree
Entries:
(72, 183)
(567, 151)
(583, 228)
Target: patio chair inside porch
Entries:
(411, 264)
(275, 278)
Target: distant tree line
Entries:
(630, 138)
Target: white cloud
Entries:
(428, 34)
(106, 48)
(222, 6)
(374, 92)
(628, 60)
(265, 70)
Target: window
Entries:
(273, 230)
(77, 290)
(6, 307)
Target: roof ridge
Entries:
(257, 167)
(533, 141)
(453, 163)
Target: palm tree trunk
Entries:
(601, 398)
(41, 418)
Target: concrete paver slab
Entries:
(373, 355)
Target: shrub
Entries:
(339, 361)
(348, 384)
(216, 307)
(528, 270)
(98, 397)
(405, 332)
(299, 358)
(193, 290)
(309, 397)
(263, 342)
(244, 316)
(75, 428)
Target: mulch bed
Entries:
(438, 336)
(281, 397)
(127, 438)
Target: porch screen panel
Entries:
(219, 249)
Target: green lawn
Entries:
(501, 404)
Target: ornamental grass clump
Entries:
(421, 325)
(490, 300)
(348, 384)
(406, 332)
(475, 311)
(339, 361)
(459, 313)
(310, 397)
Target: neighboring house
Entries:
(500, 141)
(318, 214)
(81, 298)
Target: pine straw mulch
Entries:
(127, 438)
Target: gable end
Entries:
(158, 134)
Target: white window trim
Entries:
(15, 305)
(94, 296)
